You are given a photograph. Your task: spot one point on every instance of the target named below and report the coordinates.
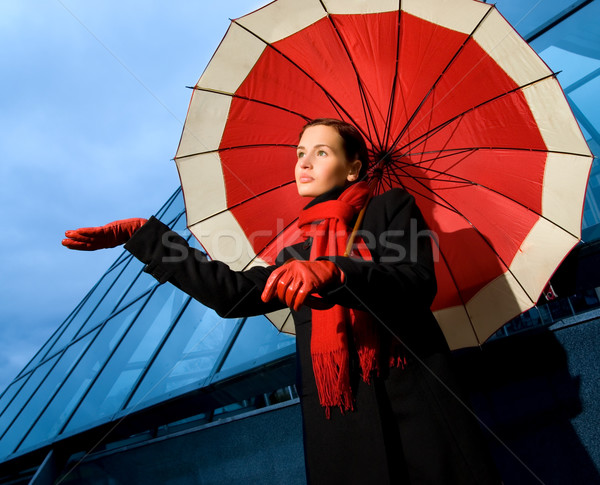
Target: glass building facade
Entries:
(132, 345)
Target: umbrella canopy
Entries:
(455, 107)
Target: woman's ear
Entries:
(354, 170)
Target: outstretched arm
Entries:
(168, 257)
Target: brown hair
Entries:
(353, 142)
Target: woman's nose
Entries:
(305, 161)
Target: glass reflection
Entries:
(257, 338)
(15, 407)
(175, 208)
(84, 373)
(139, 285)
(113, 296)
(9, 393)
(189, 354)
(526, 16)
(95, 296)
(45, 392)
(120, 374)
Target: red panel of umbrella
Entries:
(455, 107)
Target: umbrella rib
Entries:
(246, 98)
(363, 97)
(466, 149)
(485, 240)
(454, 152)
(389, 177)
(398, 180)
(470, 183)
(263, 249)
(460, 151)
(238, 204)
(392, 102)
(423, 137)
(334, 102)
(434, 85)
(237, 147)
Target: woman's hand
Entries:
(294, 281)
(107, 236)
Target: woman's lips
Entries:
(305, 179)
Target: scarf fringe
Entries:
(333, 386)
(369, 365)
(398, 361)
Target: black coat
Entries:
(407, 427)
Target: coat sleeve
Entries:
(401, 276)
(168, 257)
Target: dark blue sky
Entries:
(92, 106)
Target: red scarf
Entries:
(328, 224)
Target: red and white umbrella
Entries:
(455, 107)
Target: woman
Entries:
(378, 397)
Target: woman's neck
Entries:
(331, 194)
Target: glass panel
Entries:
(45, 350)
(50, 342)
(180, 226)
(96, 295)
(573, 66)
(127, 278)
(528, 15)
(173, 211)
(142, 284)
(20, 400)
(130, 277)
(9, 393)
(188, 355)
(125, 366)
(122, 257)
(170, 204)
(591, 214)
(37, 358)
(39, 400)
(573, 46)
(61, 407)
(587, 100)
(108, 304)
(258, 337)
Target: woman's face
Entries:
(322, 163)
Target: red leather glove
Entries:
(294, 281)
(108, 236)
